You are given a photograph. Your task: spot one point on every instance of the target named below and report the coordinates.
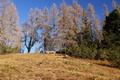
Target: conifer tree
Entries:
(9, 30)
(53, 27)
(46, 29)
(66, 32)
(106, 11)
(93, 23)
(114, 5)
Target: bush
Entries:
(80, 51)
(72, 50)
(102, 54)
(8, 49)
(114, 56)
(87, 52)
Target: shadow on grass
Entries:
(108, 65)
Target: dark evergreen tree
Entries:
(111, 29)
(111, 33)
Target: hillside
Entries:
(54, 67)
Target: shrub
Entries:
(80, 51)
(72, 50)
(114, 56)
(87, 52)
(7, 49)
(102, 54)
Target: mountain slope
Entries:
(54, 67)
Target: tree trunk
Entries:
(29, 49)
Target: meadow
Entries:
(54, 67)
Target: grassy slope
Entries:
(53, 67)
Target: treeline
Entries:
(70, 30)
(58, 28)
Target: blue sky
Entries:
(23, 6)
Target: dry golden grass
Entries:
(53, 67)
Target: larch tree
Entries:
(114, 5)
(46, 29)
(84, 21)
(106, 11)
(106, 14)
(98, 33)
(76, 12)
(53, 18)
(66, 32)
(93, 23)
(94, 31)
(84, 35)
(3, 19)
(9, 30)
